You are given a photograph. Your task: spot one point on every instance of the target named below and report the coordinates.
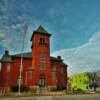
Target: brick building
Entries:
(39, 69)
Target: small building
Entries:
(39, 69)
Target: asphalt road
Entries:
(78, 97)
(69, 97)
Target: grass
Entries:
(16, 94)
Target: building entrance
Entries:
(42, 81)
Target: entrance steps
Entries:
(43, 90)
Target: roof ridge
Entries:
(41, 29)
(20, 53)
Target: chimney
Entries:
(59, 57)
(6, 52)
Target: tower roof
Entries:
(41, 30)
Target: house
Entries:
(39, 69)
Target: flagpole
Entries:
(21, 63)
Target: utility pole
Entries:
(25, 27)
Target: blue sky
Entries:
(74, 25)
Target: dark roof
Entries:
(28, 55)
(40, 30)
(25, 55)
(63, 64)
(55, 59)
(6, 58)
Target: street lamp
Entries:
(25, 27)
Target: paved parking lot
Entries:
(69, 97)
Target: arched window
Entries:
(42, 40)
(8, 68)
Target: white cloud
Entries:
(13, 16)
(83, 58)
(2, 36)
(7, 43)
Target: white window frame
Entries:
(30, 74)
(8, 68)
(53, 76)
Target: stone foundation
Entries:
(34, 88)
(52, 88)
(46, 88)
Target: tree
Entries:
(94, 79)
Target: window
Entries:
(42, 56)
(53, 68)
(62, 70)
(42, 66)
(7, 79)
(8, 68)
(42, 81)
(42, 40)
(62, 80)
(42, 59)
(30, 74)
(53, 75)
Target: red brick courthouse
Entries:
(39, 68)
